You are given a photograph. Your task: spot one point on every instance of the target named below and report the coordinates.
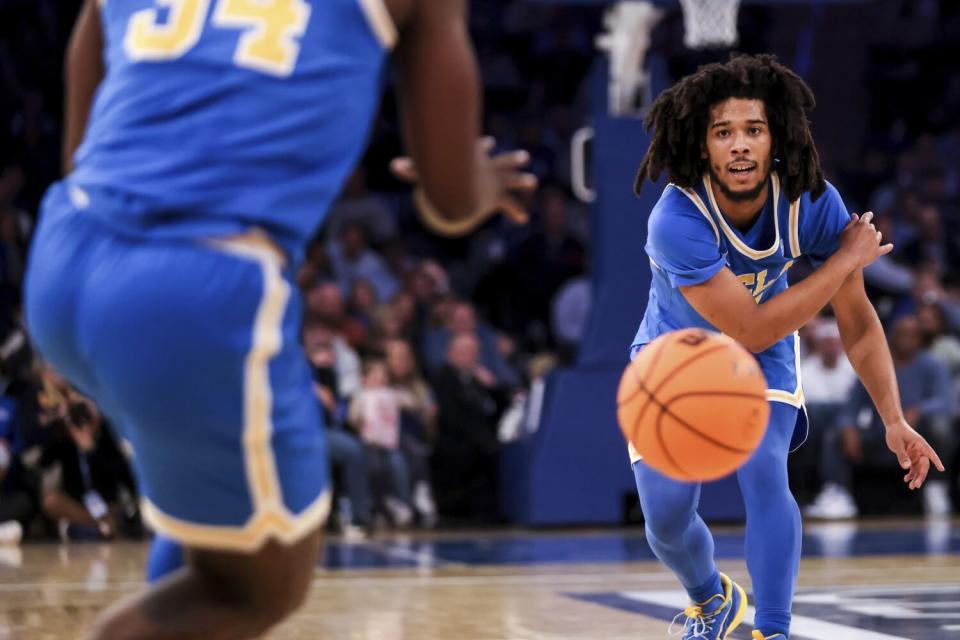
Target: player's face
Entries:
(739, 149)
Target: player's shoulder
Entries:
(680, 212)
(829, 198)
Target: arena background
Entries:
(557, 302)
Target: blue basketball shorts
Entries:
(192, 349)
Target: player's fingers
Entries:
(513, 210)
(511, 160)
(854, 218)
(903, 459)
(885, 249)
(519, 181)
(920, 473)
(404, 169)
(487, 143)
(929, 453)
(867, 217)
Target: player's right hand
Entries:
(862, 242)
(507, 168)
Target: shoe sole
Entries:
(741, 610)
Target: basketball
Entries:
(693, 404)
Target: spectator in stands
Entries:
(828, 378)
(362, 303)
(325, 304)
(931, 247)
(358, 206)
(858, 438)
(569, 315)
(87, 486)
(15, 227)
(18, 496)
(828, 375)
(942, 345)
(375, 414)
(465, 457)
(549, 257)
(353, 259)
(495, 348)
(347, 455)
(418, 421)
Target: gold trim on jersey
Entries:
(257, 394)
(794, 398)
(381, 23)
(271, 524)
(731, 235)
(795, 229)
(698, 203)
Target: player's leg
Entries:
(773, 523)
(675, 531)
(218, 595)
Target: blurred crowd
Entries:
(427, 353)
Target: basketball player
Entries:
(160, 281)
(747, 199)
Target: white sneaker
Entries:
(833, 503)
(400, 513)
(11, 533)
(353, 533)
(424, 504)
(936, 498)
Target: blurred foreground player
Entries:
(160, 279)
(746, 200)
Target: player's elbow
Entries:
(755, 339)
(755, 345)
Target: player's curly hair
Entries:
(678, 118)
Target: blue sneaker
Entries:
(716, 617)
(759, 636)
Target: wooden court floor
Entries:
(875, 581)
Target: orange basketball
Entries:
(694, 404)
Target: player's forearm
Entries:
(83, 73)
(441, 102)
(867, 350)
(782, 315)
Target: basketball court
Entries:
(886, 580)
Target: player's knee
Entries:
(278, 591)
(667, 520)
(269, 587)
(764, 477)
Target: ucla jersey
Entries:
(689, 241)
(216, 116)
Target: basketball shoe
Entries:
(759, 636)
(716, 617)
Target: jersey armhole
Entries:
(381, 23)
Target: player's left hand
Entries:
(509, 167)
(913, 453)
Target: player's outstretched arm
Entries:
(727, 304)
(83, 70)
(867, 349)
(441, 104)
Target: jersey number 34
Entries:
(269, 44)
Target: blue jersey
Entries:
(218, 116)
(689, 241)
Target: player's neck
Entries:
(740, 213)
